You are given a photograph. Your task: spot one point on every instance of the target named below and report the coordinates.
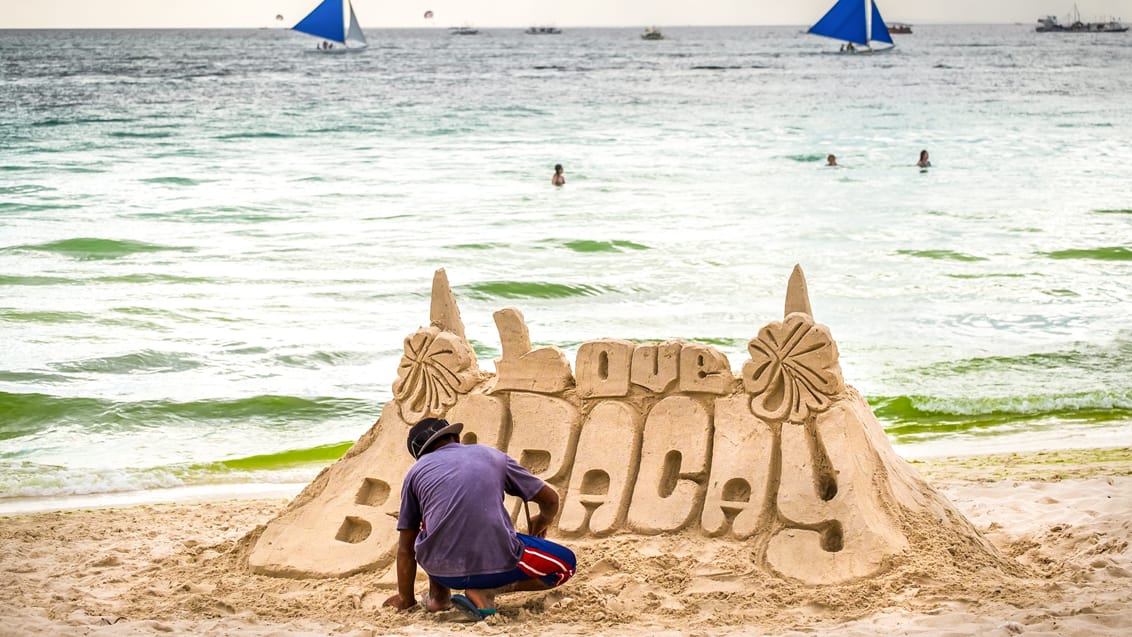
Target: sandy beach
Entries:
(1064, 518)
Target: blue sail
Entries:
(845, 21)
(880, 29)
(326, 21)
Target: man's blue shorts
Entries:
(551, 563)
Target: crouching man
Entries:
(453, 523)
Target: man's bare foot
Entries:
(434, 604)
(400, 603)
(481, 598)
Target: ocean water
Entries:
(212, 243)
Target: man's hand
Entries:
(547, 501)
(399, 602)
(406, 572)
(539, 525)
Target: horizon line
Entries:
(499, 27)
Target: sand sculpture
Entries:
(646, 439)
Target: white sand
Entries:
(178, 569)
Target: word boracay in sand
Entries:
(643, 439)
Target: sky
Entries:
(376, 14)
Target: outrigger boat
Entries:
(334, 21)
(857, 23)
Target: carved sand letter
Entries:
(656, 366)
(543, 431)
(835, 532)
(674, 462)
(485, 420)
(544, 370)
(704, 369)
(514, 337)
(740, 469)
(604, 468)
(603, 368)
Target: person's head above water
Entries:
(923, 155)
(831, 160)
(557, 168)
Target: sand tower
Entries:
(648, 439)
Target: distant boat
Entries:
(543, 31)
(855, 22)
(334, 21)
(652, 33)
(900, 28)
(1049, 24)
(463, 31)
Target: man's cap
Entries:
(428, 431)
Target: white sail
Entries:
(355, 30)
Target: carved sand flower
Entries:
(436, 369)
(793, 370)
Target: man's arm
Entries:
(406, 571)
(547, 501)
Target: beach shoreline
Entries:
(1062, 516)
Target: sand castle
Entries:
(643, 439)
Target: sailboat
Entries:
(855, 22)
(334, 21)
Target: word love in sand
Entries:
(638, 438)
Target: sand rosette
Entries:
(793, 370)
(436, 369)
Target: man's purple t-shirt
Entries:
(457, 492)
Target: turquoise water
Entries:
(212, 243)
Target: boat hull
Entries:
(339, 50)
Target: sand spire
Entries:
(444, 313)
(797, 295)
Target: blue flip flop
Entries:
(470, 610)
